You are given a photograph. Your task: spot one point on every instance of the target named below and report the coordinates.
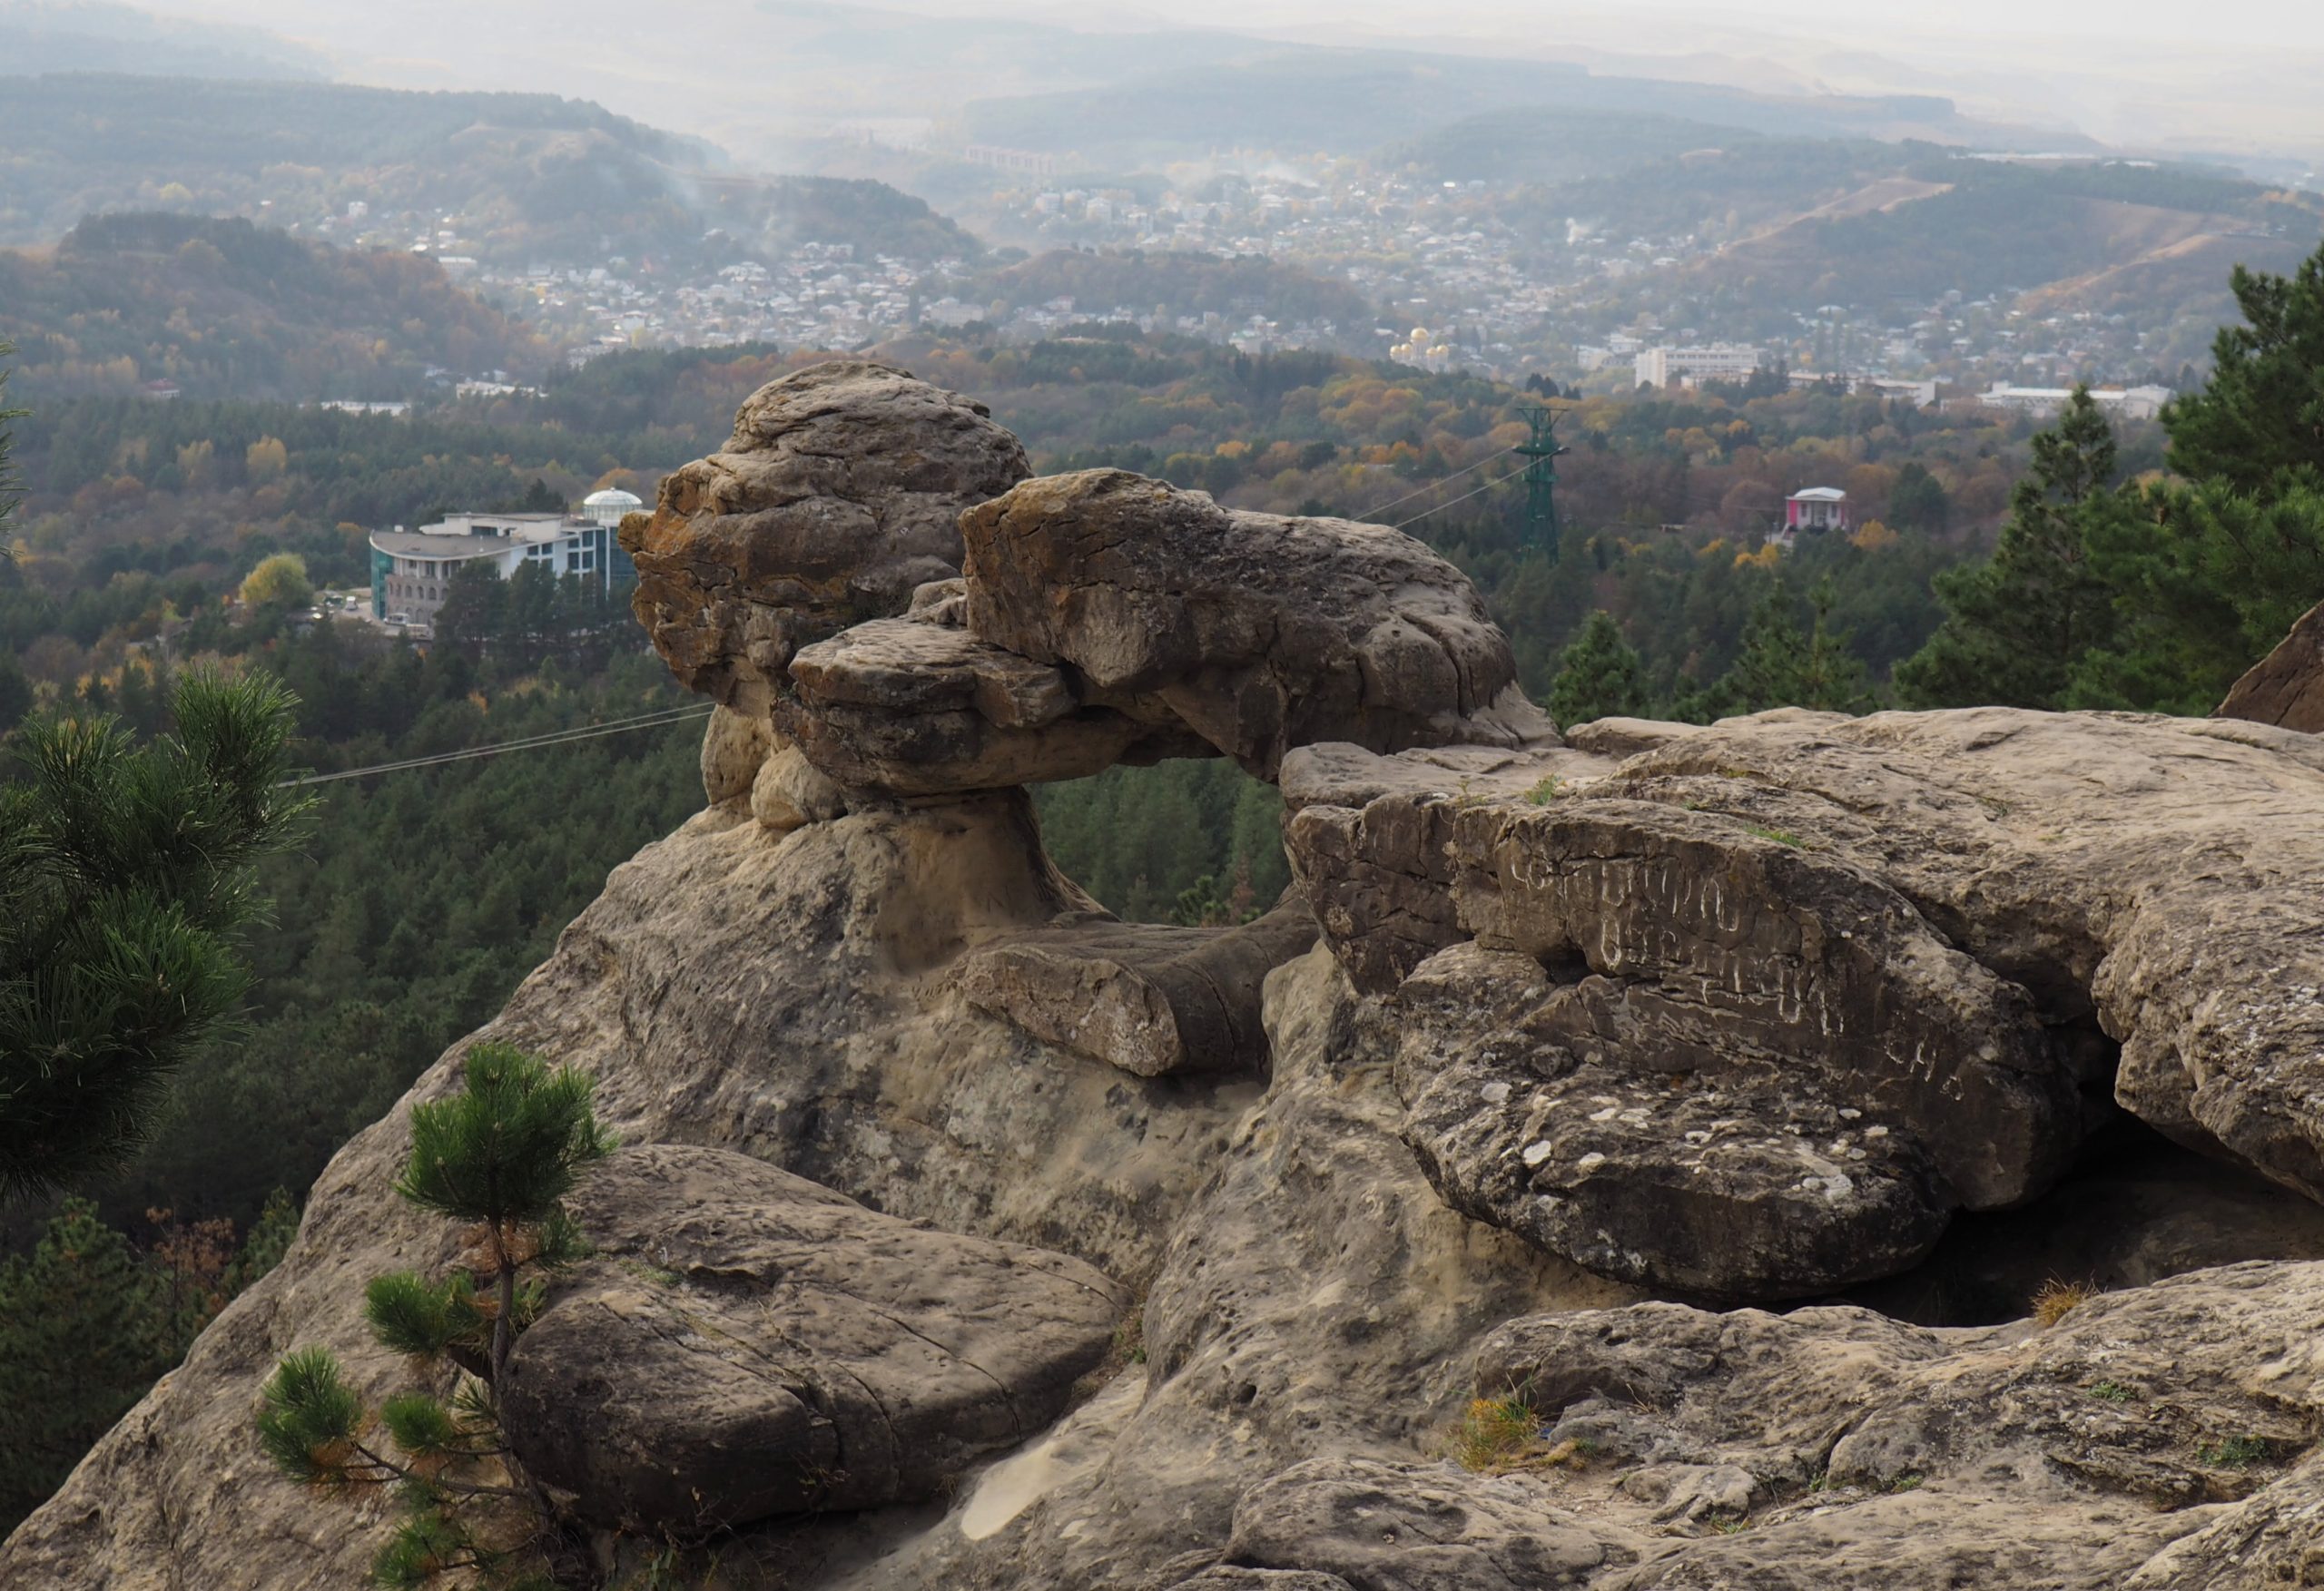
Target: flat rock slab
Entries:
(914, 707)
(838, 493)
(1145, 997)
(747, 1344)
(1254, 632)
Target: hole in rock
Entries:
(1193, 842)
(2135, 1208)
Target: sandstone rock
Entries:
(2068, 1458)
(791, 792)
(1256, 633)
(1419, 1527)
(1146, 998)
(2285, 688)
(838, 493)
(912, 707)
(1939, 922)
(735, 747)
(745, 1343)
(780, 996)
(1317, 1303)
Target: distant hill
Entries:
(529, 178)
(223, 308)
(537, 173)
(1530, 144)
(1350, 102)
(87, 36)
(783, 212)
(1740, 187)
(1982, 227)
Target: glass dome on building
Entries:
(607, 507)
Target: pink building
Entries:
(1815, 508)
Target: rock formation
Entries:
(2285, 688)
(1603, 1036)
(838, 493)
(743, 1343)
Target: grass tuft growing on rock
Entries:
(2055, 1299)
(1497, 1435)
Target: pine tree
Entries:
(88, 1323)
(1917, 500)
(2017, 623)
(1598, 676)
(500, 1158)
(126, 874)
(2260, 421)
(81, 1338)
(1781, 665)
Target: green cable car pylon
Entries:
(1540, 451)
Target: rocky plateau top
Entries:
(1698, 1107)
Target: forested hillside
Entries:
(536, 172)
(530, 178)
(223, 308)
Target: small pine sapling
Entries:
(499, 1157)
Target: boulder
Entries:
(1145, 997)
(744, 1344)
(1254, 632)
(838, 494)
(735, 746)
(791, 792)
(1823, 981)
(2285, 688)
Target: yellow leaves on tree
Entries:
(265, 460)
(279, 581)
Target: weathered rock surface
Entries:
(747, 1344)
(2285, 688)
(782, 996)
(1317, 1303)
(838, 493)
(791, 792)
(1144, 997)
(735, 746)
(1256, 633)
(2066, 1457)
(913, 709)
(1418, 1528)
(1902, 943)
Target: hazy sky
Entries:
(2231, 77)
(2295, 24)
